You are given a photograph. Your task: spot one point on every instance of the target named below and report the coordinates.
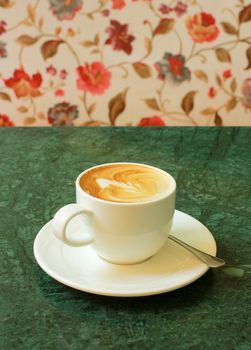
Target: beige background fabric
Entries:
(125, 62)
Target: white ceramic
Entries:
(170, 268)
(122, 233)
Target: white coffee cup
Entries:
(121, 233)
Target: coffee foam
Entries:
(126, 183)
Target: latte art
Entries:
(126, 183)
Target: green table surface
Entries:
(212, 167)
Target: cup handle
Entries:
(63, 217)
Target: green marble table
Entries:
(212, 167)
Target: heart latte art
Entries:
(126, 183)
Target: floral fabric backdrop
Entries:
(125, 62)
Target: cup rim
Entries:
(99, 200)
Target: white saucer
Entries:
(171, 268)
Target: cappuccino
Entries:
(123, 210)
(125, 183)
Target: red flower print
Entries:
(227, 74)
(118, 4)
(165, 9)
(180, 9)
(202, 28)
(5, 121)
(51, 70)
(24, 85)
(173, 67)
(59, 93)
(105, 13)
(211, 92)
(62, 114)
(63, 74)
(65, 9)
(2, 27)
(152, 121)
(119, 37)
(94, 78)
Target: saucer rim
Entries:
(118, 293)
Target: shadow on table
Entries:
(76, 303)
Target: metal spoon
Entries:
(211, 261)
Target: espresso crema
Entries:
(126, 183)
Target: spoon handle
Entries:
(211, 261)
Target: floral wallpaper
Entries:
(125, 62)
